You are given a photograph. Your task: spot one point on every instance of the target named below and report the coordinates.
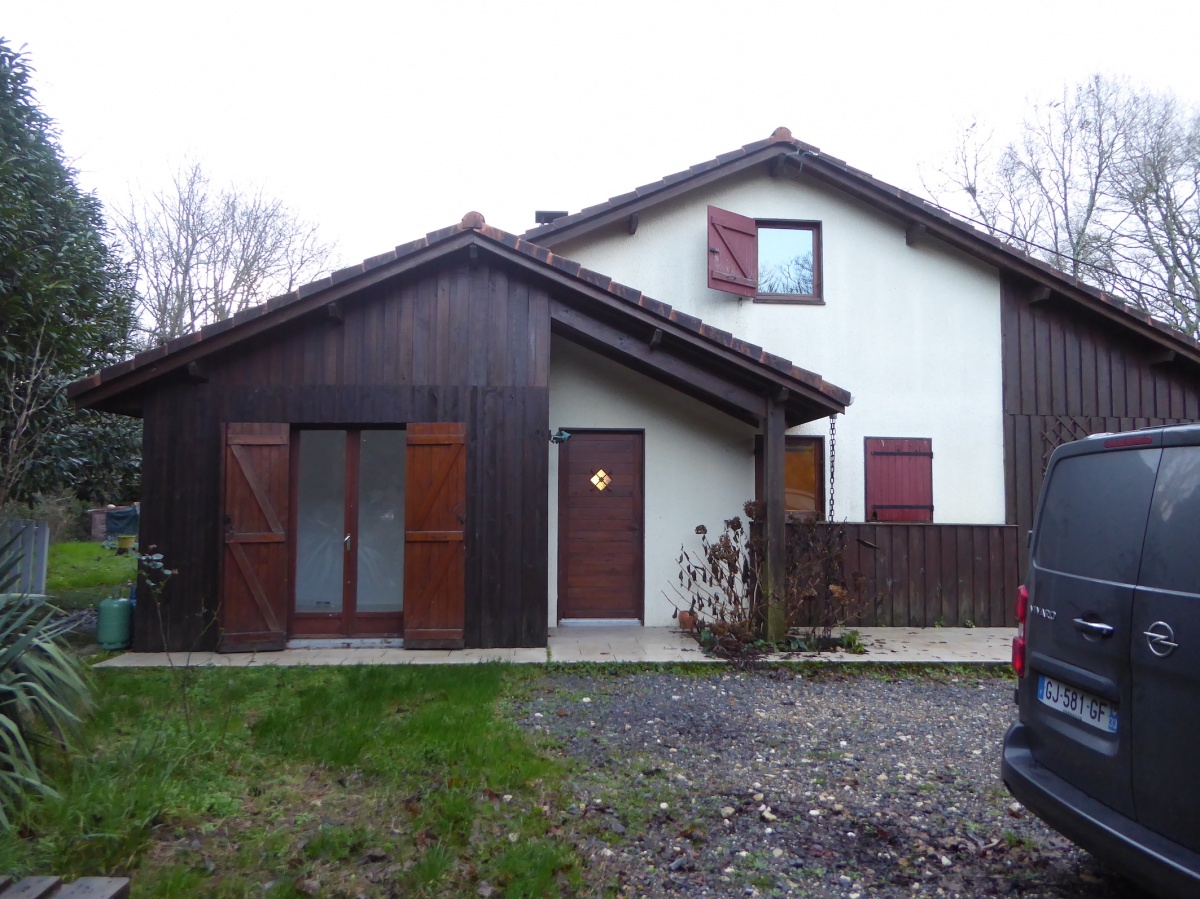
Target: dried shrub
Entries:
(720, 604)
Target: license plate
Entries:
(1089, 709)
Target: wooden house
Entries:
(371, 456)
(475, 437)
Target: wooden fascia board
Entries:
(978, 248)
(623, 211)
(659, 363)
(285, 314)
(722, 355)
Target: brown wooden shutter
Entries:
(254, 572)
(732, 252)
(899, 479)
(434, 550)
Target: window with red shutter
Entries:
(771, 260)
(899, 478)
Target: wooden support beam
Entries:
(632, 350)
(775, 525)
(915, 234)
(335, 312)
(1161, 357)
(656, 339)
(632, 222)
(1040, 294)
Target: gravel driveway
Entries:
(848, 784)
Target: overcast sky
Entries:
(382, 121)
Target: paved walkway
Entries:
(947, 645)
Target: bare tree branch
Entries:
(202, 256)
(1103, 183)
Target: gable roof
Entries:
(782, 154)
(592, 309)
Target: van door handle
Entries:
(1093, 628)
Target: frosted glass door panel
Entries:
(321, 521)
(381, 521)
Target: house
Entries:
(540, 439)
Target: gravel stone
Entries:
(881, 785)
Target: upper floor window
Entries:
(771, 260)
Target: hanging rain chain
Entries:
(832, 459)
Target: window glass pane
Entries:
(785, 261)
(381, 521)
(1170, 560)
(800, 478)
(320, 521)
(1093, 516)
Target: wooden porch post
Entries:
(774, 527)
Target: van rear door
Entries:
(1076, 697)
(1166, 651)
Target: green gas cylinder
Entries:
(112, 625)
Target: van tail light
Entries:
(1018, 644)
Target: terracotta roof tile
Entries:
(381, 259)
(570, 266)
(601, 281)
(345, 274)
(147, 356)
(691, 322)
(662, 310)
(308, 290)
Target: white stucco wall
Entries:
(912, 333)
(699, 466)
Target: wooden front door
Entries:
(254, 565)
(601, 524)
(435, 523)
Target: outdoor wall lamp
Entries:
(561, 437)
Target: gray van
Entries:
(1107, 746)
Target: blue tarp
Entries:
(123, 522)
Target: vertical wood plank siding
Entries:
(923, 575)
(464, 342)
(1067, 375)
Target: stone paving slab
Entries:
(655, 645)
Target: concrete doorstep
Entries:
(945, 645)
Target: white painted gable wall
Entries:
(913, 333)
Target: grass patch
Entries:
(81, 574)
(346, 781)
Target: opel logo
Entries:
(1161, 638)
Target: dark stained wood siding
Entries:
(1068, 374)
(924, 575)
(462, 342)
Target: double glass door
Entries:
(349, 566)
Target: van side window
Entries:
(1093, 516)
(1171, 559)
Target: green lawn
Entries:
(281, 781)
(79, 575)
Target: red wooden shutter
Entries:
(254, 572)
(434, 551)
(899, 479)
(732, 252)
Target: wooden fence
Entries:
(925, 575)
(31, 548)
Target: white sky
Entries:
(384, 120)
